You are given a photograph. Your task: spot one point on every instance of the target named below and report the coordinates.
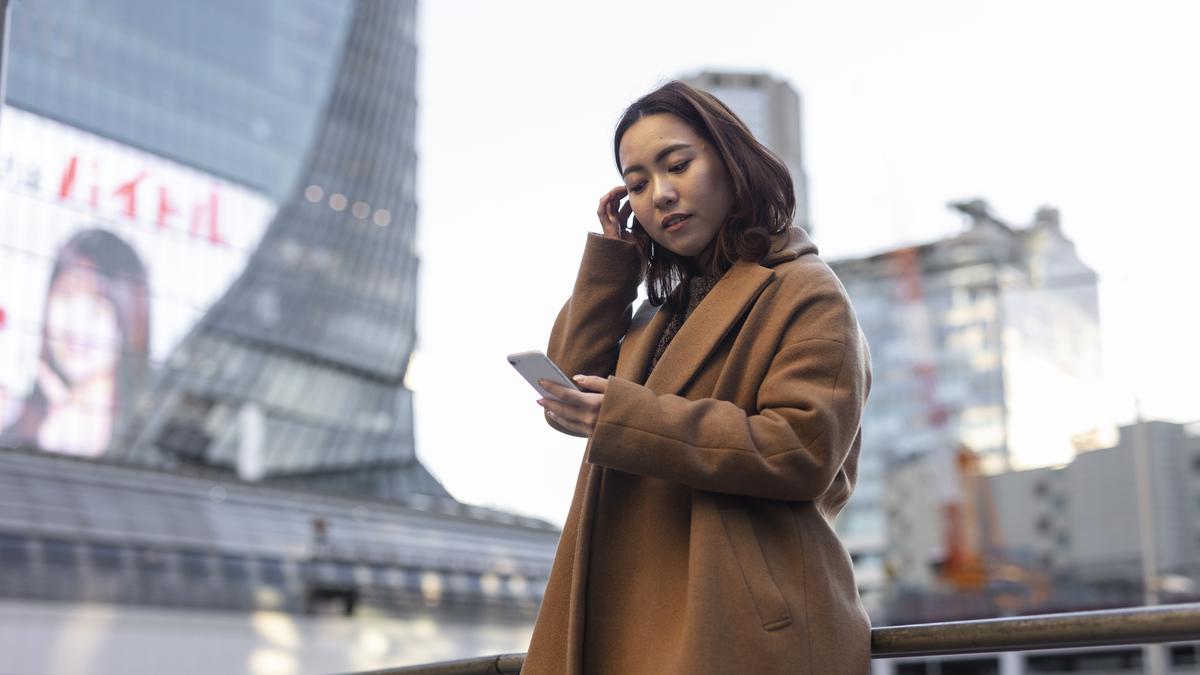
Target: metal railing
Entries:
(1140, 625)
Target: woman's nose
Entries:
(664, 194)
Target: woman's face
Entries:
(81, 325)
(678, 186)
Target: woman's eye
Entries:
(680, 167)
(637, 188)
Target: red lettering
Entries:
(94, 197)
(165, 208)
(204, 216)
(128, 191)
(67, 184)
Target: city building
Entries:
(207, 310)
(257, 195)
(988, 340)
(774, 112)
(108, 568)
(1081, 520)
(1073, 528)
(1052, 539)
(296, 373)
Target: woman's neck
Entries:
(700, 264)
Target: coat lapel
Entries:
(703, 331)
(725, 304)
(640, 341)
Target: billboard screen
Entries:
(108, 256)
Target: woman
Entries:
(722, 419)
(95, 341)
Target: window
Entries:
(14, 551)
(233, 569)
(150, 562)
(380, 576)
(343, 573)
(58, 552)
(193, 564)
(1185, 655)
(970, 667)
(270, 570)
(106, 557)
(1088, 662)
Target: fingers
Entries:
(568, 395)
(571, 426)
(567, 416)
(578, 418)
(576, 411)
(592, 383)
(609, 212)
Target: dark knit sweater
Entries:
(697, 288)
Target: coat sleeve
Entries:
(809, 408)
(587, 334)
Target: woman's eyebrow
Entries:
(657, 158)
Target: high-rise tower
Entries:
(297, 373)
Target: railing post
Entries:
(883, 667)
(1012, 663)
(1155, 663)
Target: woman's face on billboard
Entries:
(81, 325)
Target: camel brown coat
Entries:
(700, 536)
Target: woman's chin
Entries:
(683, 249)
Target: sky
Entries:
(1091, 107)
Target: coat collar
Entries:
(791, 244)
(711, 321)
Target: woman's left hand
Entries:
(575, 411)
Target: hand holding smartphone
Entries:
(534, 366)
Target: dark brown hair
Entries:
(764, 201)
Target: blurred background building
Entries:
(988, 340)
(1062, 538)
(207, 310)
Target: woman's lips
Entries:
(677, 224)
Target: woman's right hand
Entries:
(613, 216)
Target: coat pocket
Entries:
(768, 601)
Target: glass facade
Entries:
(235, 89)
(964, 353)
(235, 185)
(181, 541)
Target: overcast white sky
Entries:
(1093, 107)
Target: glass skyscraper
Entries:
(292, 370)
(236, 89)
(207, 311)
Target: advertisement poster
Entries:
(108, 256)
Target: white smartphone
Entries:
(534, 366)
